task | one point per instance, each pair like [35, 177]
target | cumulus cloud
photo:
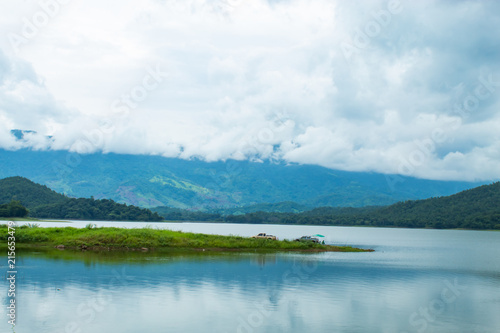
[387, 86]
[25, 103]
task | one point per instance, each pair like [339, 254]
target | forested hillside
[478, 208]
[42, 202]
[28, 193]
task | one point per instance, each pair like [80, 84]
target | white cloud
[260, 79]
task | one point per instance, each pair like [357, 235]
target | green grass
[122, 239]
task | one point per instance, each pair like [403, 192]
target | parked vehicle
[308, 239]
[263, 235]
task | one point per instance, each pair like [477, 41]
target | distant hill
[30, 194]
[279, 207]
[477, 208]
[152, 181]
[177, 214]
[43, 202]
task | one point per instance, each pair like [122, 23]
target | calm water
[416, 281]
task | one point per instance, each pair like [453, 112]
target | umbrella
[318, 235]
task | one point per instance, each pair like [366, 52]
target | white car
[265, 236]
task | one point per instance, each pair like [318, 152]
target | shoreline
[104, 248]
[149, 239]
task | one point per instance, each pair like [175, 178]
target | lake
[415, 281]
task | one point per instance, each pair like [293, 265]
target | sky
[402, 87]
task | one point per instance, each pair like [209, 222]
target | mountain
[477, 208]
[43, 202]
[279, 207]
[177, 214]
[30, 194]
[151, 181]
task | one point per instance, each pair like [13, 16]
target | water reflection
[398, 288]
[66, 291]
[262, 260]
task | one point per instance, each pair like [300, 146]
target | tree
[13, 209]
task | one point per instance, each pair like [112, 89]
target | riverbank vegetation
[148, 238]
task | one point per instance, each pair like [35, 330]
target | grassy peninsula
[106, 238]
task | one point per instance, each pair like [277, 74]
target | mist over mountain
[151, 181]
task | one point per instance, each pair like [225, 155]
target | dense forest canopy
[13, 209]
[42, 202]
[28, 193]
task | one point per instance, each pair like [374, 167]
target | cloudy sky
[387, 86]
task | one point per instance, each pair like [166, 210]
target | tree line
[13, 209]
[91, 209]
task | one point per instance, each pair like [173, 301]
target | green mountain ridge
[152, 181]
[30, 194]
[43, 202]
[477, 208]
